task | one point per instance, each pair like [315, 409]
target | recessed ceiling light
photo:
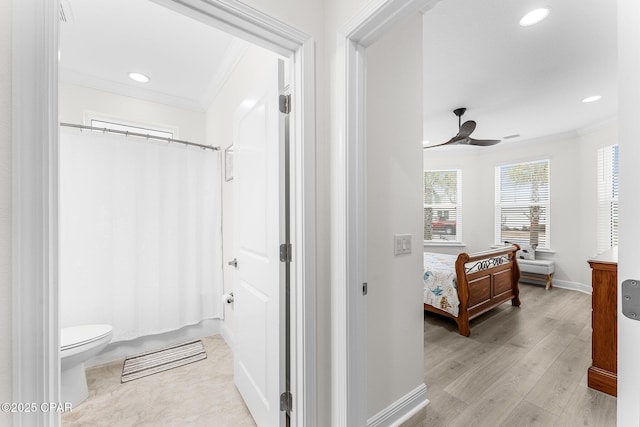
[139, 77]
[591, 98]
[534, 17]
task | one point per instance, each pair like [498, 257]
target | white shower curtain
[140, 233]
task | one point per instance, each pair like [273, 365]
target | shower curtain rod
[142, 135]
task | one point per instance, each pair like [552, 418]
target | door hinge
[285, 104]
[285, 252]
[365, 288]
[286, 402]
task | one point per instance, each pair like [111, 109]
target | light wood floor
[520, 367]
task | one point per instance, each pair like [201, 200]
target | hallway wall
[5, 208]
[395, 353]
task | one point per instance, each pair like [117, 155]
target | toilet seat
[77, 336]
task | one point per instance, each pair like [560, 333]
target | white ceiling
[518, 80]
[513, 80]
[187, 61]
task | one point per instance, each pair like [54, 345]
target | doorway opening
[242, 22]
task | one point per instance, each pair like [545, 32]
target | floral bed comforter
[440, 286]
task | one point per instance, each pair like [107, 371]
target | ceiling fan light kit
[464, 130]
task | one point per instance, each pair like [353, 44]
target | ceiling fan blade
[464, 132]
[483, 142]
[451, 141]
[466, 129]
[462, 137]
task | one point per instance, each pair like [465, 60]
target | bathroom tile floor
[199, 394]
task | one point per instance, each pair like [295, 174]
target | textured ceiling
[102, 41]
[513, 80]
[527, 81]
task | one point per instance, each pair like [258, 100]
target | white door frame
[35, 32]
[348, 248]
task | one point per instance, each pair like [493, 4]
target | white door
[259, 230]
[629, 227]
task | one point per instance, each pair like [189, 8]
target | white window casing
[523, 204]
[442, 201]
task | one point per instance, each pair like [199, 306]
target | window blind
[607, 197]
[442, 205]
[523, 203]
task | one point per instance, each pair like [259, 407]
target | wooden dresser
[602, 374]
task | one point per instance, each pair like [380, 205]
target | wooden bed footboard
[484, 281]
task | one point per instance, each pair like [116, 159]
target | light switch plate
[401, 244]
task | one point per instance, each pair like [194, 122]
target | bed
[465, 286]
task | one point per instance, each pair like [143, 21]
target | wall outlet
[401, 244]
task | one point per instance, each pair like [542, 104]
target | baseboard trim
[402, 409]
[227, 335]
[573, 286]
[562, 284]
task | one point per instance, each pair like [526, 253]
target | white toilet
[77, 345]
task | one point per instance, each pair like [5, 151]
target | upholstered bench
[537, 269]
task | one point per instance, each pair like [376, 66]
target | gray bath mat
[141, 365]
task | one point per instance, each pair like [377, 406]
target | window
[607, 197]
[442, 205]
[522, 204]
[130, 128]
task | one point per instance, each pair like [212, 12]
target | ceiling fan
[464, 130]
